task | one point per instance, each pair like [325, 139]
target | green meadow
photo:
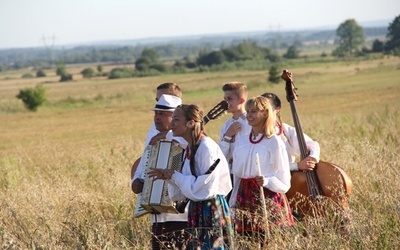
[65, 169]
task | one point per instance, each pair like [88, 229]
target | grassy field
[65, 169]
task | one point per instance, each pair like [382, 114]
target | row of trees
[149, 61]
[42, 58]
[350, 42]
[350, 38]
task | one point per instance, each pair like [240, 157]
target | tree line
[350, 42]
[47, 58]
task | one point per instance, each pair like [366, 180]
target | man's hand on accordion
[160, 174]
[157, 137]
[137, 185]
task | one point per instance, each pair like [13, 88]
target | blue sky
[24, 23]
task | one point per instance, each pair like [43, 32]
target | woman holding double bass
[289, 135]
[312, 180]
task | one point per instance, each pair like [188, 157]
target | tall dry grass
[64, 171]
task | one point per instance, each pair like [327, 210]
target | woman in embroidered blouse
[275, 173]
[209, 217]
[289, 136]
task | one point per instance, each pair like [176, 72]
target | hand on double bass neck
[307, 164]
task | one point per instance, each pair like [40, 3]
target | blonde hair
[262, 104]
[240, 89]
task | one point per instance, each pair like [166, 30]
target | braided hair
[193, 112]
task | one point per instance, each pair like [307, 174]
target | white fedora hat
[167, 103]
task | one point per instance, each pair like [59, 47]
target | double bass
[327, 183]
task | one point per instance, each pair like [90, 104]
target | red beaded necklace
[187, 153]
[280, 126]
[255, 142]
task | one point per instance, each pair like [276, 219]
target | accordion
[139, 210]
[154, 197]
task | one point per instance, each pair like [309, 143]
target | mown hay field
[65, 169]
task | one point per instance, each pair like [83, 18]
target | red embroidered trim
[187, 153]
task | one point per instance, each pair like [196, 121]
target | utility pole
[49, 43]
[275, 30]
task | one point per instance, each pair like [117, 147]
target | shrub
[32, 97]
[61, 69]
[159, 67]
[27, 75]
[273, 57]
[292, 52]
[65, 77]
[121, 73]
[274, 75]
[100, 68]
[142, 64]
[87, 72]
[40, 73]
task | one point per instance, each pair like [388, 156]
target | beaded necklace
[255, 142]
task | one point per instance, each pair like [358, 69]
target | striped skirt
[249, 215]
[210, 224]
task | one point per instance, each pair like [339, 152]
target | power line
[49, 43]
[52, 40]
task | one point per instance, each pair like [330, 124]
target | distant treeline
[168, 50]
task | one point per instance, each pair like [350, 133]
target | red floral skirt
[249, 216]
